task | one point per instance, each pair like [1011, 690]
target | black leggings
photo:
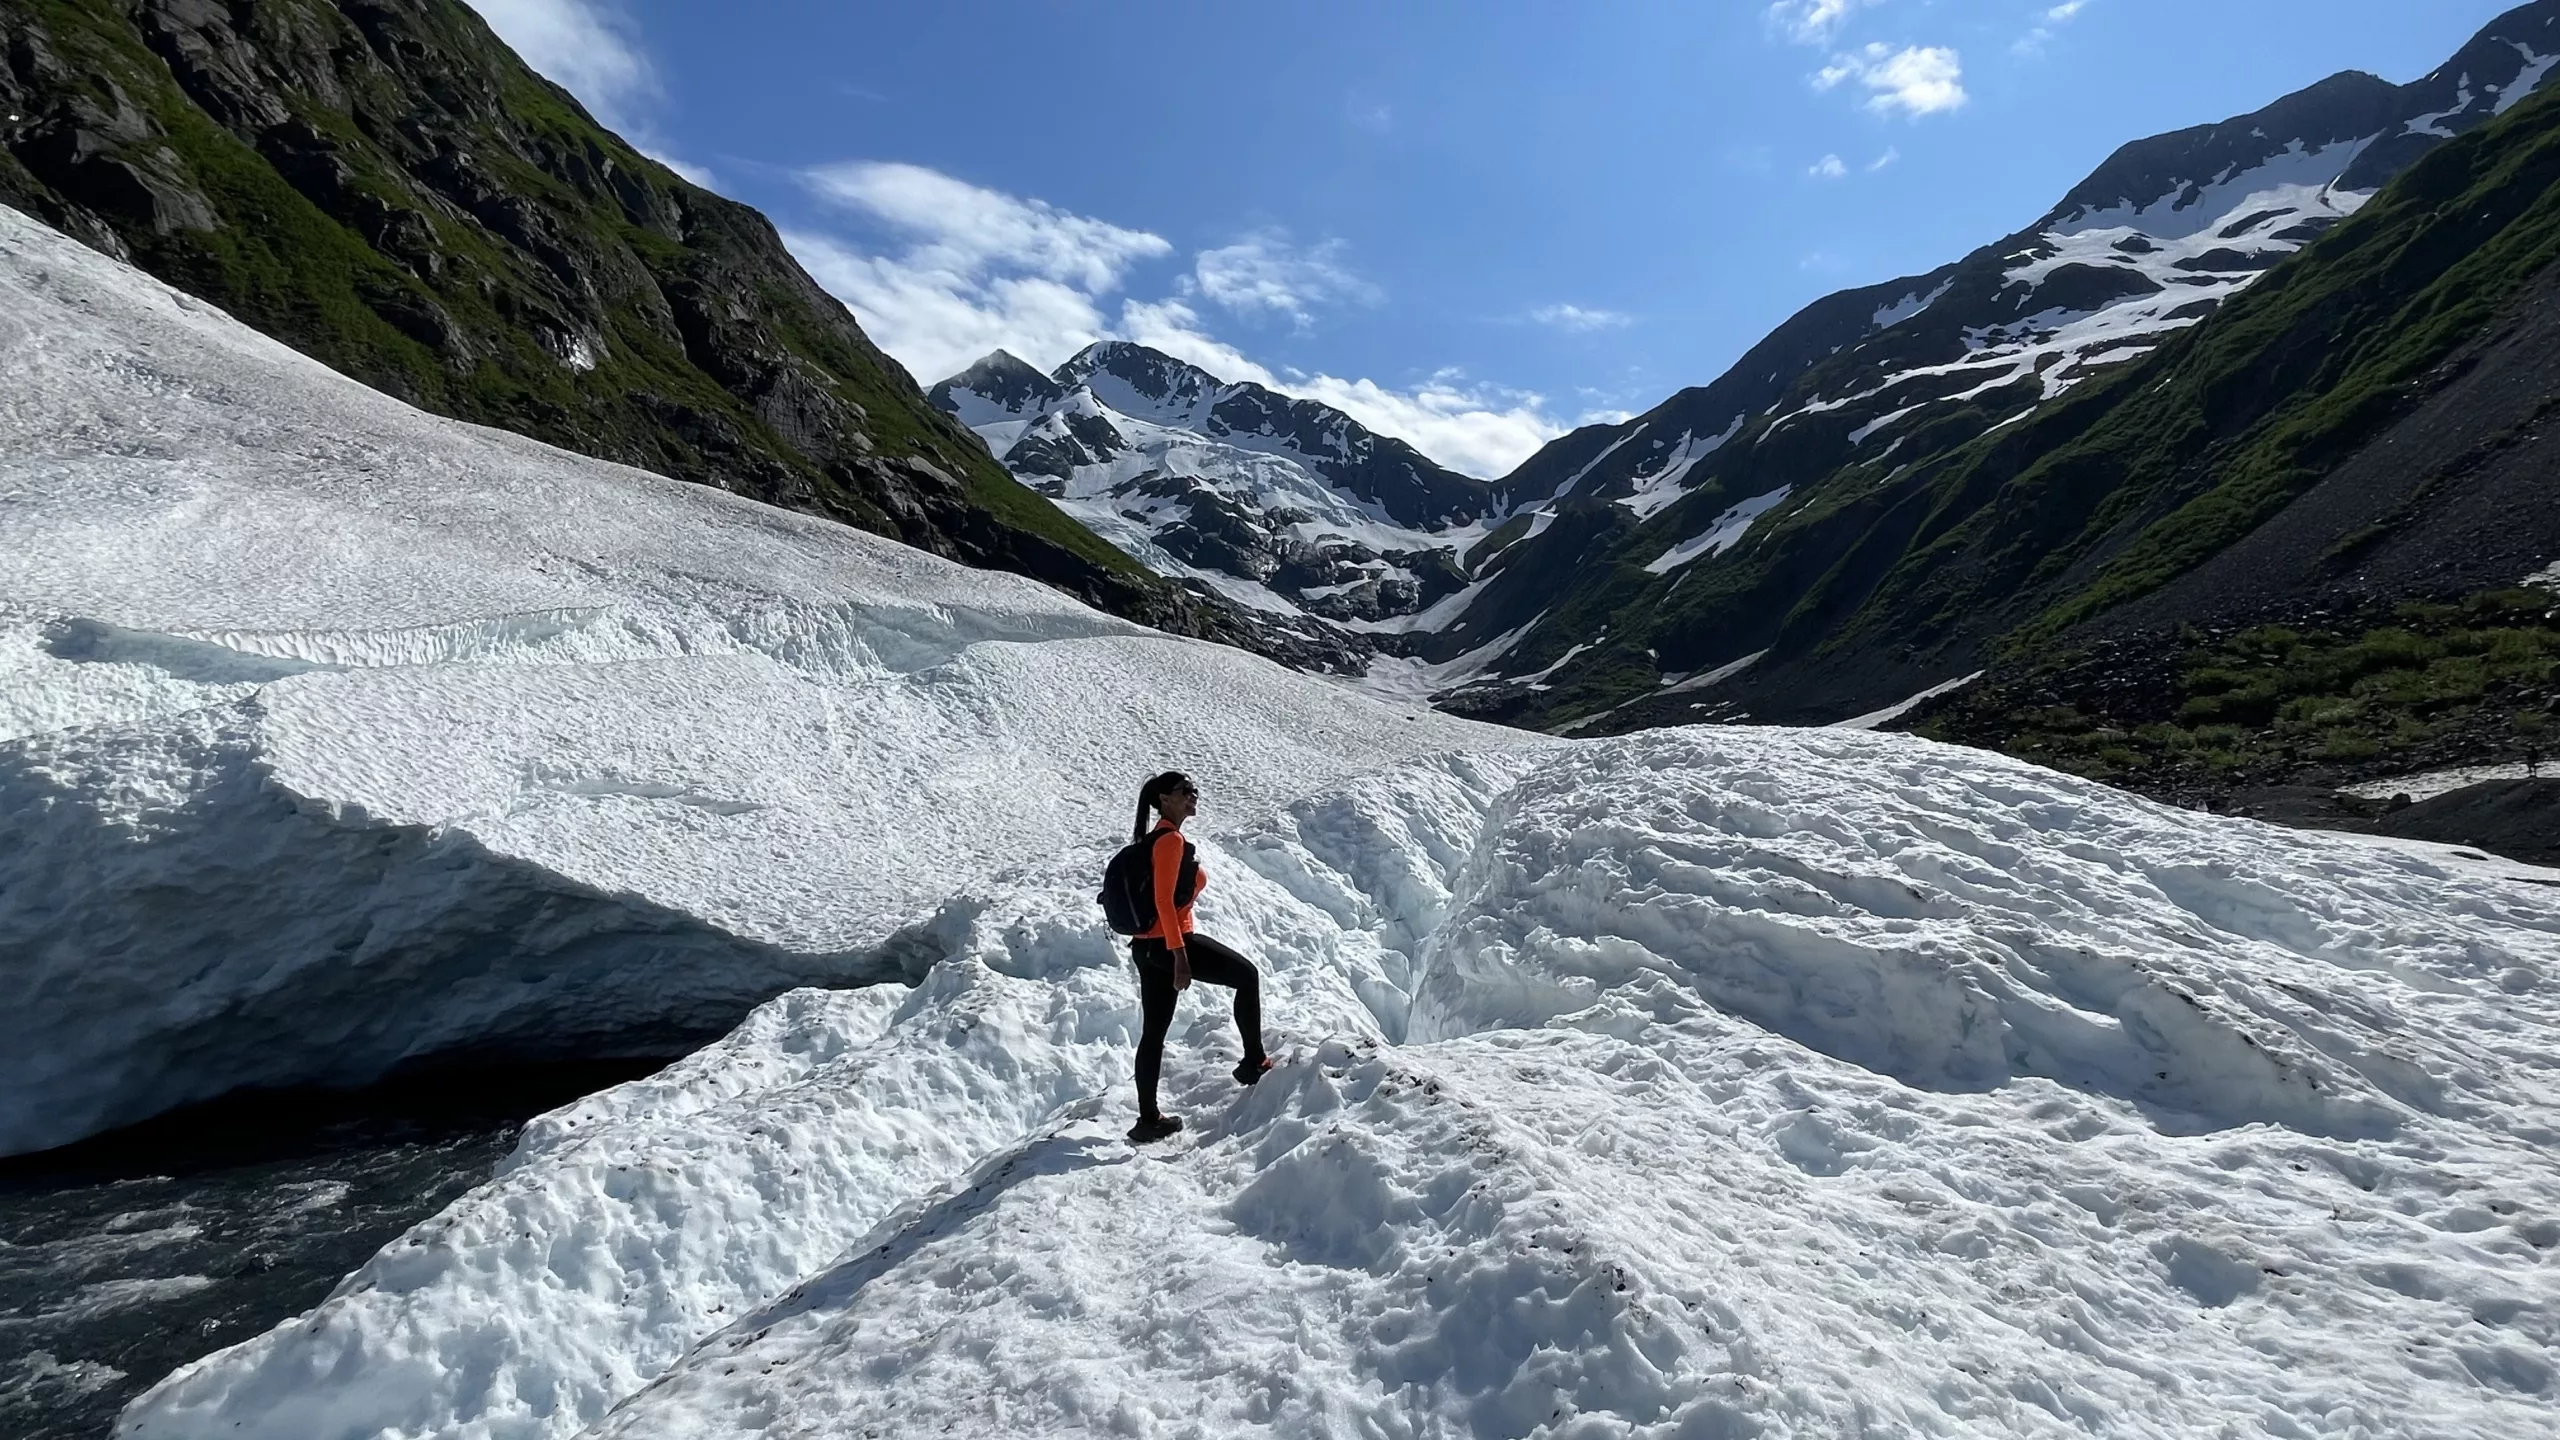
[1210, 962]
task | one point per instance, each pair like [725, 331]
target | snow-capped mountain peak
[1285, 504]
[997, 388]
[1138, 381]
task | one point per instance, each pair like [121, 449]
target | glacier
[345, 736]
[1701, 1082]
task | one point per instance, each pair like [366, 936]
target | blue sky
[1474, 225]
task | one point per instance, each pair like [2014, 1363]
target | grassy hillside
[2197, 447]
[2385, 691]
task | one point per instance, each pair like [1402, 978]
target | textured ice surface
[1689, 1084]
[1693, 1083]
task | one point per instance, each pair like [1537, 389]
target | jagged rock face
[1367, 467]
[997, 387]
[384, 186]
[1287, 505]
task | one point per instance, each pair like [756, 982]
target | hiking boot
[1153, 1127]
[1252, 1068]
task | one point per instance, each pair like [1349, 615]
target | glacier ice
[1696, 1082]
[346, 735]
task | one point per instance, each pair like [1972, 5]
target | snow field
[631, 1224]
[1751, 1082]
[1476, 1238]
[1958, 927]
[344, 735]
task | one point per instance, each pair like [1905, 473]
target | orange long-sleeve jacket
[1166, 860]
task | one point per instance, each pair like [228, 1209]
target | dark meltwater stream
[124, 1257]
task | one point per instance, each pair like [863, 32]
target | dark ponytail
[1147, 797]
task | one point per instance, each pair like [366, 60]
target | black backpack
[1129, 885]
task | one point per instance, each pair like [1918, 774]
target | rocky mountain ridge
[1843, 409]
[1283, 504]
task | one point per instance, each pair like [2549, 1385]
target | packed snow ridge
[1696, 1083]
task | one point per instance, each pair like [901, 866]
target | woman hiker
[1170, 954]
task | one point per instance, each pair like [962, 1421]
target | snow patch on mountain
[1723, 535]
[1860, 435]
[2537, 68]
[2178, 258]
[1406, 679]
[2296, 177]
[1878, 719]
[1566, 486]
[1909, 305]
[2432, 123]
[1659, 489]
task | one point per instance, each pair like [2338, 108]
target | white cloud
[1481, 430]
[1478, 430]
[583, 46]
[1891, 154]
[974, 269]
[1581, 319]
[937, 321]
[1829, 167]
[1814, 22]
[1175, 328]
[968, 270]
[1264, 272]
[2031, 45]
[972, 231]
[1915, 80]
